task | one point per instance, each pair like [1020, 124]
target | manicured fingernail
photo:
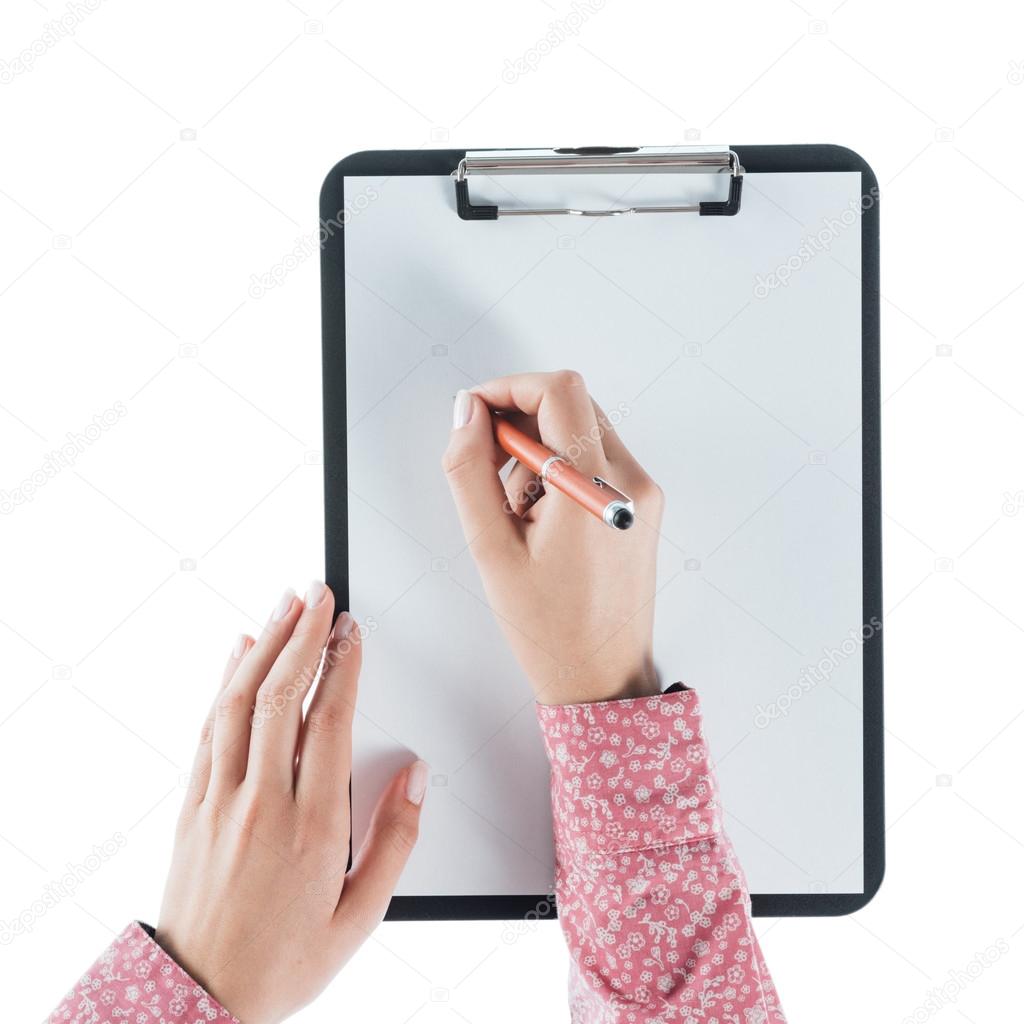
[416, 782]
[239, 648]
[315, 593]
[283, 605]
[343, 626]
[463, 409]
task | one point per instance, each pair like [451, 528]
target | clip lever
[598, 160]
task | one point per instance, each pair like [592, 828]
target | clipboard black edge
[755, 159]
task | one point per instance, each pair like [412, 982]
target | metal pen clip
[620, 512]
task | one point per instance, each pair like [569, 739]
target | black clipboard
[753, 160]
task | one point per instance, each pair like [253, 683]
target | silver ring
[546, 466]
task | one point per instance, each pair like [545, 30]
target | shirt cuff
[135, 980]
[629, 774]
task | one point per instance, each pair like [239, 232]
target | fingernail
[463, 409]
[315, 593]
[239, 648]
[343, 626]
[416, 782]
[283, 605]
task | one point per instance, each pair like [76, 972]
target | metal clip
[599, 160]
[620, 503]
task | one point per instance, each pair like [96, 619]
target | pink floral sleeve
[651, 898]
[135, 982]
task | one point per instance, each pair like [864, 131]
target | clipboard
[438, 266]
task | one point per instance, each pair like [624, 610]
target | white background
[125, 269]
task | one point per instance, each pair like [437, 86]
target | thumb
[392, 835]
[469, 464]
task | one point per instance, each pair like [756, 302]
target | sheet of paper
[731, 348]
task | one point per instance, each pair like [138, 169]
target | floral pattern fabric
[651, 898]
[136, 982]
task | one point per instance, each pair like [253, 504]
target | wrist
[592, 688]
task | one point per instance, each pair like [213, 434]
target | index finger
[565, 413]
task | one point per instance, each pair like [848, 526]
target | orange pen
[594, 494]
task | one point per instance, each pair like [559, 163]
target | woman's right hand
[574, 598]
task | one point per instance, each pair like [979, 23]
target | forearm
[652, 900]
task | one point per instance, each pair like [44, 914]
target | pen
[593, 493]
